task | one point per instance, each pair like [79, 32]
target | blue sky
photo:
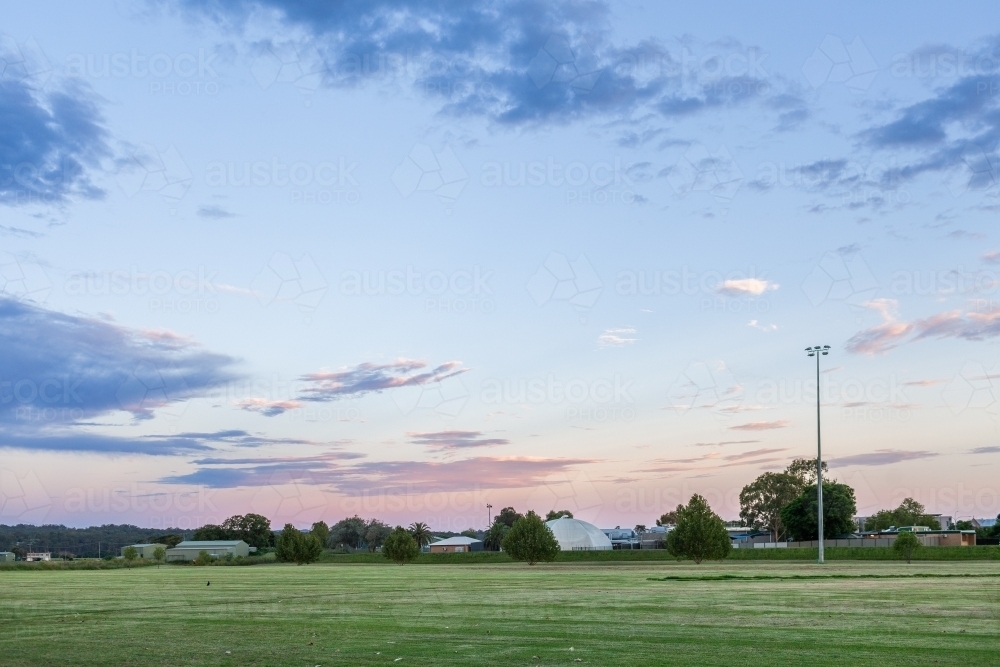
[414, 258]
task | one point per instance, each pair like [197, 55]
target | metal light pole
[817, 351]
[489, 515]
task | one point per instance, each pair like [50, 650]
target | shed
[144, 550]
[458, 544]
[189, 549]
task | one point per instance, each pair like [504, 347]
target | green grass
[646, 555]
[793, 613]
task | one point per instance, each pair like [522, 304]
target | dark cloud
[47, 143]
[74, 440]
[64, 368]
[993, 449]
[516, 63]
[454, 440]
[378, 476]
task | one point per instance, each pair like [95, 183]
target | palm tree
[494, 536]
[421, 532]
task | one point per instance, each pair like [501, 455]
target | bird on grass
[209, 583]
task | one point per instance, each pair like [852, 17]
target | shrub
[295, 547]
[700, 533]
[400, 546]
[905, 544]
[203, 558]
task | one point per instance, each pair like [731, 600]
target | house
[622, 538]
[7, 557]
[38, 555]
[189, 549]
[144, 550]
[458, 544]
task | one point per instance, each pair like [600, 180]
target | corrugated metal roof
[208, 544]
[460, 540]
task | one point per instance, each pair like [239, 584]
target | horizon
[407, 260]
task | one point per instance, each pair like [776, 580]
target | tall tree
[254, 529]
[804, 470]
[421, 532]
[400, 547]
[762, 499]
[294, 546]
[700, 533]
[909, 513]
[494, 536]
[321, 531]
[530, 540]
[375, 534]
[210, 533]
[508, 515]
[839, 506]
[130, 554]
[553, 515]
[348, 532]
[668, 519]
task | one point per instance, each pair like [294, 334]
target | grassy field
[642, 613]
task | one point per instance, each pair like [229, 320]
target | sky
[420, 260]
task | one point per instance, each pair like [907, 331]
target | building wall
[6, 556]
[176, 554]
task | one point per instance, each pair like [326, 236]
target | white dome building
[576, 535]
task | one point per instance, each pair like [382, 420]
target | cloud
[923, 383]
[68, 440]
[880, 457]
[724, 443]
[762, 426]
[406, 476]
[47, 143]
[971, 326]
[454, 440]
[371, 377]
[762, 327]
[992, 449]
[215, 212]
[267, 407]
[882, 337]
[746, 287]
[519, 63]
[992, 257]
[75, 367]
[617, 337]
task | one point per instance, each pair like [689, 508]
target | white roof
[459, 541]
[208, 544]
[573, 534]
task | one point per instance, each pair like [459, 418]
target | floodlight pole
[489, 516]
[817, 351]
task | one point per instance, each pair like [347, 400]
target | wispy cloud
[880, 457]
[617, 337]
[992, 449]
[454, 440]
[881, 337]
[371, 377]
[266, 407]
[762, 425]
[724, 443]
